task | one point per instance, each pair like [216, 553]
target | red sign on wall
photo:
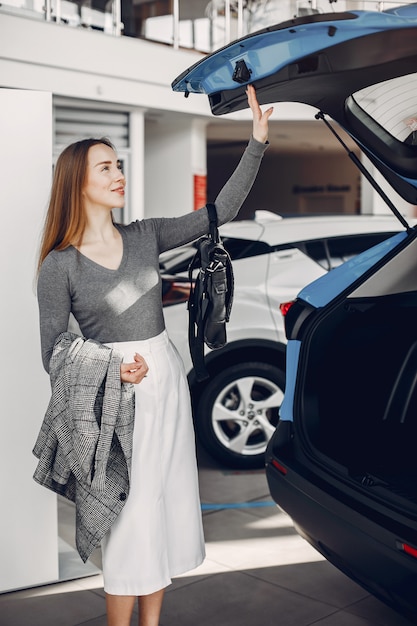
[200, 191]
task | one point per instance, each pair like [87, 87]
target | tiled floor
[258, 571]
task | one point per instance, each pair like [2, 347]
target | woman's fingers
[260, 118]
[253, 100]
[134, 372]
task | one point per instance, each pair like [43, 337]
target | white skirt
[158, 534]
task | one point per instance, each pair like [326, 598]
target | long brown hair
[65, 219]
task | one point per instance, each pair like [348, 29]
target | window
[393, 104]
[329, 253]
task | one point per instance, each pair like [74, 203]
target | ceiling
[285, 136]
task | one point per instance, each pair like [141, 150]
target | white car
[236, 409]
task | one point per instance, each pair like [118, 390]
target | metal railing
[180, 24]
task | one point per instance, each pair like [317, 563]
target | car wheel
[238, 412]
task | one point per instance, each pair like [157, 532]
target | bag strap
[195, 341]
[231, 287]
[212, 213]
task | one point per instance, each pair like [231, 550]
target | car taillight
[409, 549]
[284, 307]
[174, 291]
[279, 467]
[295, 314]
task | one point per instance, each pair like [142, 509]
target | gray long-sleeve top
[126, 304]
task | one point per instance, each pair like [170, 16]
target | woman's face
[105, 182]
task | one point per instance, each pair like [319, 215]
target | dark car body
[342, 461]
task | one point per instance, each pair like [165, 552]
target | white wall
[168, 168]
[28, 520]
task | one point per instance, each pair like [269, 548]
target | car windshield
[393, 104]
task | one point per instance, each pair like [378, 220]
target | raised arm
[177, 231]
[235, 191]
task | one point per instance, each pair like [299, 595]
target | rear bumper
[368, 553]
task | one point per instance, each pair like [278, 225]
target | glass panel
[393, 104]
[245, 248]
[27, 8]
[342, 249]
[94, 14]
[318, 251]
[153, 20]
[203, 25]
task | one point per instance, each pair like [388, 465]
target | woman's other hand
[134, 372]
[260, 119]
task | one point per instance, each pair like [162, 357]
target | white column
[175, 153]
[137, 165]
[28, 520]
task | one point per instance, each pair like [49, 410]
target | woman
[107, 276]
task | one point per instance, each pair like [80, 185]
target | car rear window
[393, 104]
[244, 248]
[331, 252]
[384, 119]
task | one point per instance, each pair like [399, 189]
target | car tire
[238, 412]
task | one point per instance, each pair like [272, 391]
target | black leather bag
[211, 296]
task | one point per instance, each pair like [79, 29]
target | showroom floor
[257, 571]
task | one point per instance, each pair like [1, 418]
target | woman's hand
[260, 120]
[134, 372]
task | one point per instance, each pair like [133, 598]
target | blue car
[342, 461]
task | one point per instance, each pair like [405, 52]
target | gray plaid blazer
[84, 445]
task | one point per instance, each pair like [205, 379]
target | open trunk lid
[358, 67]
